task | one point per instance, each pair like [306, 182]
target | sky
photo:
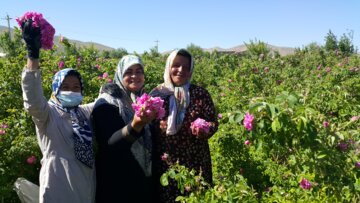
[139, 25]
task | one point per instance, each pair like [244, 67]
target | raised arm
[34, 100]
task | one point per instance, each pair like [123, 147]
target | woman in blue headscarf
[62, 128]
[123, 160]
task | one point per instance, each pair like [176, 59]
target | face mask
[69, 99]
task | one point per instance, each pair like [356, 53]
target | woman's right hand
[32, 38]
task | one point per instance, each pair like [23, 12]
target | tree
[196, 51]
[331, 42]
[11, 47]
[118, 53]
[345, 44]
[257, 49]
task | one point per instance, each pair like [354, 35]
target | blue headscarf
[82, 133]
[60, 76]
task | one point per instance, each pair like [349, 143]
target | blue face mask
[69, 99]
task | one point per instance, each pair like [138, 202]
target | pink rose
[165, 157]
[31, 160]
[199, 126]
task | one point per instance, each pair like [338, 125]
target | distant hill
[78, 43]
[283, 51]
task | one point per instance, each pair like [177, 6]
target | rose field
[289, 125]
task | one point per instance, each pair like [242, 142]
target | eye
[64, 87]
[176, 65]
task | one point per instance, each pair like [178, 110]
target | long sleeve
[209, 112]
[110, 130]
[34, 101]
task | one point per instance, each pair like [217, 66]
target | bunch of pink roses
[199, 125]
[147, 104]
[47, 30]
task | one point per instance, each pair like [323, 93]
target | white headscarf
[179, 95]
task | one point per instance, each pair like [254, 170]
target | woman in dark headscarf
[173, 136]
[123, 161]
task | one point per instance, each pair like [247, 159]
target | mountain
[283, 51]
[78, 43]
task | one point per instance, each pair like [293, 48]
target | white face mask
[69, 98]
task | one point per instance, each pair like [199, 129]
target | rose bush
[289, 127]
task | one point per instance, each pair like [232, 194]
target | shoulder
[112, 89]
[198, 90]
[104, 109]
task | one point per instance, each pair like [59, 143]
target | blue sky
[135, 25]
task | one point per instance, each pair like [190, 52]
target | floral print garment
[189, 150]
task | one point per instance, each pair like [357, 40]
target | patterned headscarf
[59, 78]
[82, 133]
[179, 95]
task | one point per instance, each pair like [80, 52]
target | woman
[184, 103]
[123, 160]
[62, 128]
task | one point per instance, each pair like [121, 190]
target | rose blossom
[61, 64]
[248, 121]
[164, 157]
[46, 29]
[147, 104]
[343, 146]
[247, 142]
[305, 184]
[199, 125]
[31, 160]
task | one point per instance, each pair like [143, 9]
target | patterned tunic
[183, 146]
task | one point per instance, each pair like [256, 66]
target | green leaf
[253, 107]
[238, 117]
[272, 109]
[275, 125]
[164, 180]
[340, 135]
[321, 156]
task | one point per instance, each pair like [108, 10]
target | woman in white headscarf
[173, 136]
[123, 160]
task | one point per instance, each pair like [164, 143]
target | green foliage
[331, 42]
[117, 53]
[12, 47]
[306, 121]
[345, 44]
[257, 49]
